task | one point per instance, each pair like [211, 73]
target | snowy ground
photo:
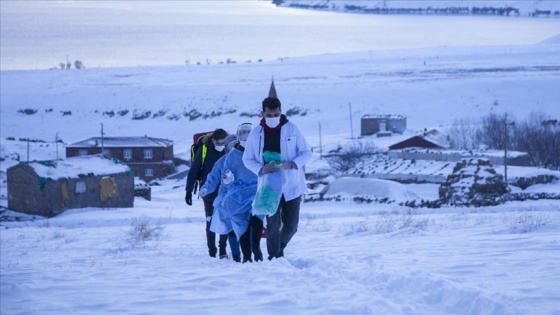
[345, 259]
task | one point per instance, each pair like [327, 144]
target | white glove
[203, 192]
[228, 177]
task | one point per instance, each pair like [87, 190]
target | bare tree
[539, 136]
[492, 132]
[463, 134]
[350, 156]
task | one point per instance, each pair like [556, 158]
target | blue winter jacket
[234, 202]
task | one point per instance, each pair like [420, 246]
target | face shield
[243, 133]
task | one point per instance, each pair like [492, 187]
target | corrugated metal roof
[389, 116]
[113, 142]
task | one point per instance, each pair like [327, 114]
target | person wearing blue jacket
[230, 142]
[234, 203]
[276, 133]
[202, 165]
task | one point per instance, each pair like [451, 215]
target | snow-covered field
[346, 258]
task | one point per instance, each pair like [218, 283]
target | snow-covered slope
[432, 87]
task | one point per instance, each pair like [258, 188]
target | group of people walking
[229, 168]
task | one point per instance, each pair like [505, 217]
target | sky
[347, 257]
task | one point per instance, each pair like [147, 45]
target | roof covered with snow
[388, 116]
[107, 142]
[73, 167]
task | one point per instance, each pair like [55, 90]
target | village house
[48, 188]
[417, 141]
[150, 158]
[382, 125]
[433, 145]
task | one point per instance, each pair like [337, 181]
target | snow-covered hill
[431, 87]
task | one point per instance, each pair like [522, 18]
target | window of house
[127, 154]
[149, 172]
[148, 154]
[82, 152]
[80, 187]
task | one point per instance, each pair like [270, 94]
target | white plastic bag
[269, 193]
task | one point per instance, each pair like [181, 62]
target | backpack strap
[204, 151]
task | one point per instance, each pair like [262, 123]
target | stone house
[150, 158]
[48, 188]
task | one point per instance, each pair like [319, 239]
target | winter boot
[281, 251]
[258, 254]
[247, 259]
[223, 253]
[237, 257]
[212, 252]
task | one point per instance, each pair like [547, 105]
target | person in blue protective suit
[235, 205]
[276, 133]
[230, 142]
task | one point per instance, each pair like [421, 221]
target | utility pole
[351, 127]
[320, 143]
[102, 146]
[506, 124]
[505, 148]
[56, 143]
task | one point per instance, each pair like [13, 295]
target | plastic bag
[269, 193]
[269, 188]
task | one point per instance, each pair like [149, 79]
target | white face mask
[272, 122]
[243, 143]
[220, 148]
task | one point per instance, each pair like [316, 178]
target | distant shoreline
[428, 10]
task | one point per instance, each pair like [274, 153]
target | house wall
[455, 157]
[371, 125]
[406, 178]
[158, 163]
[25, 194]
[160, 170]
[23, 190]
[397, 125]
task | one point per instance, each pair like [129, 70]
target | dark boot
[257, 254]
[245, 243]
[281, 251]
[222, 243]
[223, 253]
[237, 257]
[212, 252]
[257, 228]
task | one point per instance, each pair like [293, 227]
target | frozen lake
[41, 34]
